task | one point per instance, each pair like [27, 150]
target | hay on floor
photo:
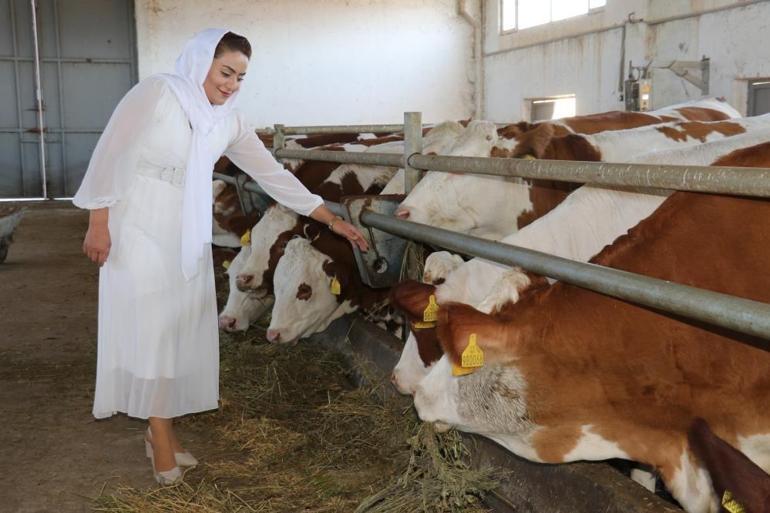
[293, 434]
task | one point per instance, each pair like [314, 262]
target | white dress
[158, 340]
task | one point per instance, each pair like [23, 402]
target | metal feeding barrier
[736, 314]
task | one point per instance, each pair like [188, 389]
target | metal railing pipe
[722, 180]
[279, 138]
[412, 145]
[340, 129]
[737, 314]
[344, 157]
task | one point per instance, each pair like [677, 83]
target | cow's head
[304, 302]
[487, 399]
[439, 265]
[241, 309]
[442, 199]
[421, 349]
[441, 137]
[266, 247]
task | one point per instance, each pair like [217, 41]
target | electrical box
[638, 94]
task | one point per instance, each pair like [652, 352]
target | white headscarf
[192, 66]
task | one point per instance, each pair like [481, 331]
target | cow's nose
[402, 213]
[226, 322]
[273, 336]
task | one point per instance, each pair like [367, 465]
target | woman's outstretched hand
[97, 243]
[350, 232]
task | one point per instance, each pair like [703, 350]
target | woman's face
[225, 76]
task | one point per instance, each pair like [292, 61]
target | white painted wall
[329, 61]
[582, 55]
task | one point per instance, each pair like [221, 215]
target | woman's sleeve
[248, 153]
[113, 163]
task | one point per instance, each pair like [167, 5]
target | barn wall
[582, 55]
[330, 62]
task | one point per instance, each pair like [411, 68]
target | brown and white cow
[569, 374]
[313, 141]
[493, 207]
[703, 109]
[331, 181]
[589, 219]
[304, 301]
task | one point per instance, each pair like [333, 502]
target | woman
[148, 188]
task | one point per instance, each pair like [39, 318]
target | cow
[360, 144]
[296, 313]
[738, 482]
[257, 274]
[493, 207]
[241, 309]
[589, 219]
[340, 180]
[569, 374]
[704, 109]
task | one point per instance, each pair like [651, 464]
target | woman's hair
[234, 43]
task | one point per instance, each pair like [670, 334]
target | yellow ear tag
[335, 286]
[528, 157]
[246, 238]
[461, 371]
[731, 504]
[226, 265]
[473, 356]
[423, 325]
[431, 311]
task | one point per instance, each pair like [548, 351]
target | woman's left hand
[350, 232]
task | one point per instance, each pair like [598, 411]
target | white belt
[173, 175]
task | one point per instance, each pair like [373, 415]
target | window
[759, 97]
[554, 107]
[522, 14]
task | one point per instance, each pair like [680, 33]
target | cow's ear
[515, 130]
[534, 142]
[412, 298]
[458, 323]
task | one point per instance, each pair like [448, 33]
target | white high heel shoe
[163, 477]
[183, 459]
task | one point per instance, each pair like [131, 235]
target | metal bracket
[249, 200]
[379, 267]
[695, 72]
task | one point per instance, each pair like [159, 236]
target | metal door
[82, 53]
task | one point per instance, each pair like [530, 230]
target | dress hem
[102, 416]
